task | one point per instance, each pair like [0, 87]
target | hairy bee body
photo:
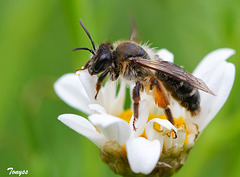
[129, 70]
[185, 94]
[140, 65]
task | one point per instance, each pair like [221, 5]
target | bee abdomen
[187, 95]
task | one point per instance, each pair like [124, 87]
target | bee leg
[136, 98]
[161, 98]
[169, 115]
[83, 68]
[99, 82]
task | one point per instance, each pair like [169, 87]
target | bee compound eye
[101, 63]
[99, 66]
[104, 57]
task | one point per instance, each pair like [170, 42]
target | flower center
[127, 114]
[178, 122]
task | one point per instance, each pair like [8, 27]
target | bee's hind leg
[161, 98]
[136, 98]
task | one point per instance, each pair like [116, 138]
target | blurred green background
[36, 39]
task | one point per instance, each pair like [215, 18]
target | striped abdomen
[187, 95]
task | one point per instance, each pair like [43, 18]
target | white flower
[153, 147]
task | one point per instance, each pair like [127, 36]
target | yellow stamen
[123, 150]
[157, 127]
[144, 134]
[180, 122]
[126, 115]
[186, 139]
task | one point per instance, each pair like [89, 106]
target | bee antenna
[84, 48]
[81, 23]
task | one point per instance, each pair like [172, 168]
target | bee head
[102, 60]
[102, 57]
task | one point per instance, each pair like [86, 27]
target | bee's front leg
[136, 98]
[99, 82]
[84, 67]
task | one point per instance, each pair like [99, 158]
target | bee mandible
[139, 64]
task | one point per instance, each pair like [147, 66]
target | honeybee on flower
[149, 143]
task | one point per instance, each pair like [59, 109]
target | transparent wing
[174, 71]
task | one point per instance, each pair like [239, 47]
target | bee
[139, 64]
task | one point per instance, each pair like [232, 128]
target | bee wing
[134, 33]
[174, 71]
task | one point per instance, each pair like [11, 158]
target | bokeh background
[36, 39]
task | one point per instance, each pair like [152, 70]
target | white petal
[112, 127]
[89, 84]
[220, 80]
[167, 142]
[143, 154]
[212, 59]
[165, 55]
[154, 134]
[109, 92]
[142, 119]
[153, 108]
[98, 108]
[191, 128]
[71, 90]
[83, 127]
[163, 122]
[118, 104]
[179, 141]
[219, 77]
[177, 109]
[191, 140]
[112, 102]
